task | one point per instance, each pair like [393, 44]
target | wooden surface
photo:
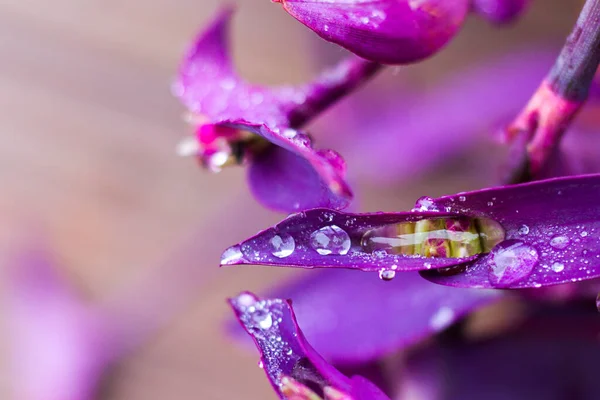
[88, 130]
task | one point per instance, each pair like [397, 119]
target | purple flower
[238, 122]
[295, 370]
[529, 235]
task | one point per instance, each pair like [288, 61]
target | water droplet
[558, 267]
[583, 234]
[425, 203]
[462, 198]
[559, 242]
[231, 255]
[330, 240]
[263, 319]
[512, 261]
[289, 133]
[490, 203]
[523, 230]
[442, 318]
[386, 274]
[289, 352]
[283, 245]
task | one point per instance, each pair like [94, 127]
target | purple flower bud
[499, 11]
[385, 31]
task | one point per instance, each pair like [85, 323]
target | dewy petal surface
[215, 95]
[351, 317]
[552, 232]
[327, 238]
[286, 353]
[386, 31]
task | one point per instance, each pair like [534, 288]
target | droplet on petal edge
[330, 240]
[232, 255]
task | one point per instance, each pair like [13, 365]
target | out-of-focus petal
[410, 133]
[499, 11]
[541, 360]
[351, 317]
[326, 238]
[57, 351]
[552, 230]
[285, 353]
[385, 31]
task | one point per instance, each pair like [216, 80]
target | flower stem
[562, 93]
[331, 86]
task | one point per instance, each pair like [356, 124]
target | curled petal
[499, 11]
[326, 238]
[552, 230]
[397, 313]
[385, 31]
[291, 364]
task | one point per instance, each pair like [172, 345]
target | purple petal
[385, 31]
[352, 317]
[552, 232]
[529, 364]
[499, 11]
[284, 350]
[326, 238]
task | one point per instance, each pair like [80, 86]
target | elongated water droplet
[387, 274]
[330, 240]
[512, 261]
[282, 245]
[559, 242]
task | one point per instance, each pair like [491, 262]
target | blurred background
[88, 130]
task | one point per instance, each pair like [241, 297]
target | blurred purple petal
[285, 353]
[330, 305]
[552, 233]
[326, 238]
[385, 31]
[499, 11]
[529, 364]
[57, 348]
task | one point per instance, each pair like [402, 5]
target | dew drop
[523, 230]
[330, 240]
[558, 267]
[425, 203]
[462, 198]
[231, 255]
[559, 242]
[386, 274]
[490, 203]
[282, 245]
[583, 234]
[262, 319]
[512, 261]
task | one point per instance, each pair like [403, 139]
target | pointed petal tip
[232, 256]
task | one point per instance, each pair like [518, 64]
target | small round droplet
[387, 274]
[559, 242]
[512, 261]
[262, 319]
[462, 198]
[231, 255]
[282, 245]
[558, 267]
[523, 230]
[330, 240]
[583, 234]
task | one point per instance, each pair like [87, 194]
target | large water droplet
[387, 274]
[559, 242]
[282, 245]
[512, 261]
[263, 319]
[330, 240]
[425, 203]
[231, 255]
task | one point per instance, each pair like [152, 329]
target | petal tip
[232, 256]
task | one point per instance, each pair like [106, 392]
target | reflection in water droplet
[330, 240]
[523, 230]
[263, 319]
[558, 267]
[512, 261]
[583, 234]
[559, 242]
[425, 203]
[282, 245]
[387, 274]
